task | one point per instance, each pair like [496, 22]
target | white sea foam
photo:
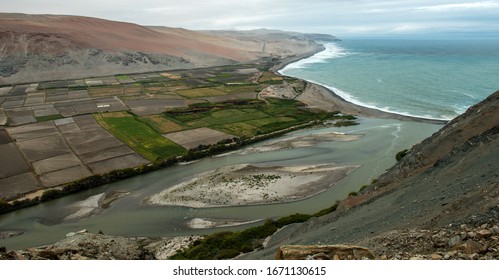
[350, 98]
[331, 51]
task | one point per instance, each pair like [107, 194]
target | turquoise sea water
[436, 79]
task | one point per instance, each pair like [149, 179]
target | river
[128, 216]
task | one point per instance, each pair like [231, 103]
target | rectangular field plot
[32, 131]
[56, 163]
[233, 115]
[105, 91]
[241, 129]
[45, 147]
[219, 91]
[162, 124]
[13, 186]
[155, 87]
[143, 107]
[65, 175]
[5, 90]
[201, 92]
[190, 139]
[121, 162]
[139, 136]
[231, 97]
[132, 89]
[124, 79]
[11, 161]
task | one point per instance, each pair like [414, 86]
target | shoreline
[321, 95]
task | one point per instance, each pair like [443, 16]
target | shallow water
[127, 216]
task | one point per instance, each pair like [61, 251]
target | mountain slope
[45, 47]
[449, 179]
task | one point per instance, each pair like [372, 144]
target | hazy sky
[337, 17]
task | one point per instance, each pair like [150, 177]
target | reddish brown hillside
[49, 33]
[52, 47]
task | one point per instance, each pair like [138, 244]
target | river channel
[128, 216]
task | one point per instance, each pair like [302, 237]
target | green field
[48, 118]
[201, 92]
[162, 124]
[219, 91]
[139, 136]
[122, 77]
[246, 119]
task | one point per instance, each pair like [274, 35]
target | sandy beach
[252, 185]
[319, 97]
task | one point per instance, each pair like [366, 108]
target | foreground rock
[455, 242]
[84, 245]
[323, 252]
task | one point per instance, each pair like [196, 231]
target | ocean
[437, 79]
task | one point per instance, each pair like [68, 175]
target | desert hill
[49, 47]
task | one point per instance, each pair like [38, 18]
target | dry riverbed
[252, 185]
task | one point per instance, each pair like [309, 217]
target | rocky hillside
[50, 47]
[84, 245]
[432, 204]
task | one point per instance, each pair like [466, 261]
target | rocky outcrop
[455, 242]
[323, 252]
[83, 245]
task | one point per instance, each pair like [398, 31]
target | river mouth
[127, 215]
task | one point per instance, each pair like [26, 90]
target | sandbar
[245, 184]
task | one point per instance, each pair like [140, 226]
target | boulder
[323, 252]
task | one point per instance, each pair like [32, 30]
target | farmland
[139, 136]
[57, 132]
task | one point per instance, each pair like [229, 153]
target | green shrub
[401, 154]
[292, 219]
[326, 211]
[225, 245]
[345, 123]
